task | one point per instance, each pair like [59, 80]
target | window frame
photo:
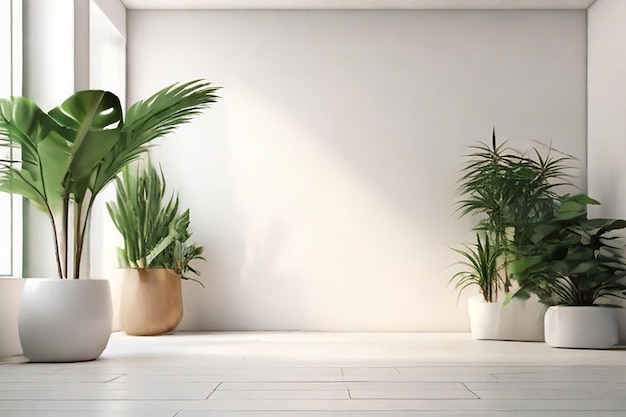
[14, 19]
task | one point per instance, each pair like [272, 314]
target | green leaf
[93, 120]
[44, 149]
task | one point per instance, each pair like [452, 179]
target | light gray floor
[320, 375]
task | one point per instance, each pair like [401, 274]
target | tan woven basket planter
[151, 301]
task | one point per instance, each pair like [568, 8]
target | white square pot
[621, 319]
[520, 320]
[484, 318]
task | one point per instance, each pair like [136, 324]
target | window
[10, 84]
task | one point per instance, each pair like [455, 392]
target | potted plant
[573, 264]
[482, 269]
[156, 254]
[68, 156]
[506, 190]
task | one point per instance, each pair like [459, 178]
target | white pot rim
[62, 279]
[611, 306]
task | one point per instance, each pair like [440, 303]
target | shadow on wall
[303, 241]
[326, 188]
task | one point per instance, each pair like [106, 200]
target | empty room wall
[607, 106]
[322, 183]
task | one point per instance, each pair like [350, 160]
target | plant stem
[57, 253]
[77, 240]
[83, 232]
[64, 235]
[57, 249]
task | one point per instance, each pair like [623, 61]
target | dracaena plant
[155, 232]
[507, 190]
[481, 268]
[70, 154]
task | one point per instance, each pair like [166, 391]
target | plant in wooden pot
[574, 266]
[505, 191]
[67, 157]
[156, 254]
[482, 268]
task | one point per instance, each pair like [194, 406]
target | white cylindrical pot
[582, 327]
[10, 295]
[484, 318]
[65, 320]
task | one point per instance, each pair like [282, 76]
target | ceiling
[357, 4]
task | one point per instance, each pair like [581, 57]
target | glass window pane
[5, 48]
[6, 89]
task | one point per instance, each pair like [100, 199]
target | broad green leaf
[93, 119]
[44, 152]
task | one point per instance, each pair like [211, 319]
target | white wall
[115, 12]
[607, 106]
[323, 182]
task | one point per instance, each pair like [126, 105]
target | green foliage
[155, 233]
[507, 191]
[71, 153]
[482, 268]
[573, 260]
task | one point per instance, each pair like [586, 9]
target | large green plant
[482, 268]
[507, 190]
[573, 260]
[71, 153]
[155, 232]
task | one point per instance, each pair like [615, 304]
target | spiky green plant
[70, 154]
[482, 268]
[507, 190]
[155, 233]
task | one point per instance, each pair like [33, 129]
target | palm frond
[153, 118]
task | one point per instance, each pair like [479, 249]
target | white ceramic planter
[584, 327]
[10, 296]
[64, 320]
[621, 319]
[484, 318]
[522, 320]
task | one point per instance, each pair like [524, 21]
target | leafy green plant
[507, 190]
[482, 268]
[573, 260]
[155, 232]
[71, 153]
